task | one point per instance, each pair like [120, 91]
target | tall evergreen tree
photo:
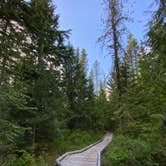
[31, 83]
[13, 96]
[44, 77]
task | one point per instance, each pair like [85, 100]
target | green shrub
[25, 159]
[125, 151]
[75, 140]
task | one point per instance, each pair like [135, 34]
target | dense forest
[48, 100]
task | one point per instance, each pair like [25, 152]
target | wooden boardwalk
[89, 156]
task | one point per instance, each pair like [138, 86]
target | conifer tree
[44, 77]
[13, 96]
[31, 83]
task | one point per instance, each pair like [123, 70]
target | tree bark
[115, 45]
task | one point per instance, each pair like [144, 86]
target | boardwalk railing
[58, 160]
[98, 159]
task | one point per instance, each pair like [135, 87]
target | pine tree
[31, 83]
[70, 72]
[13, 96]
[78, 91]
[43, 78]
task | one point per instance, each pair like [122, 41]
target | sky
[84, 18]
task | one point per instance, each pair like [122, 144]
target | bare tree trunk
[115, 45]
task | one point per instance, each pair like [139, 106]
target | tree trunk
[4, 58]
[115, 47]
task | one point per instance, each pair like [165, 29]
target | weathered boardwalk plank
[86, 157]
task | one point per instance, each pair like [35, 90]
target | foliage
[140, 110]
[47, 100]
[140, 152]
[72, 140]
[44, 85]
